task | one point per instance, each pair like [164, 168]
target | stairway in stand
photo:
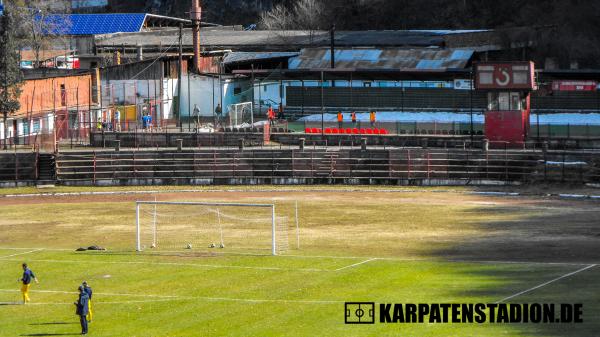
[327, 165]
[46, 169]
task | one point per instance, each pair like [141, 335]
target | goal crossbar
[216, 204]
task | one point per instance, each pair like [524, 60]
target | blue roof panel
[93, 24]
[430, 64]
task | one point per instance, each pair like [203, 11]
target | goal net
[199, 226]
[240, 115]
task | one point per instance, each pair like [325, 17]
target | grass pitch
[416, 246]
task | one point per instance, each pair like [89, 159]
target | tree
[41, 25]
[10, 72]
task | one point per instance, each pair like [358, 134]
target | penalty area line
[356, 264]
[547, 283]
[167, 298]
[28, 252]
[197, 265]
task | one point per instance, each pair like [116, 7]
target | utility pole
[179, 71]
[332, 37]
[332, 51]
[322, 107]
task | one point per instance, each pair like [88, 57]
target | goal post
[164, 224]
[240, 114]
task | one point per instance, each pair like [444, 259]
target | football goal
[240, 115]
[229, 227]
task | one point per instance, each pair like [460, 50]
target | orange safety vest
[372, 116]
[340, 117]
[271, 113]
[354, 116]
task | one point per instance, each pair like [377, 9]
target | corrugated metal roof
[236, 57]
[415, 59]
[451, 31]
[93, 24]
[291, 40]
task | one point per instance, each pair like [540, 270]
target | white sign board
[463, 85]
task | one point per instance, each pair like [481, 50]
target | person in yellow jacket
[26, 279]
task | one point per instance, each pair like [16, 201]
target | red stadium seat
[307, 130]
[327, 130]
[376, 131]
[315, 130]
[384, 132]
[349, 131]
[342, 131]
[335, 131]
[363, 131]
[355, 131]
[369, 131]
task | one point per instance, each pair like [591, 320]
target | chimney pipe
[196, 16]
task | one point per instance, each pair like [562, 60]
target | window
[63, 95]
[492, 101]
[503, 101]
[25, 127]
[367, 84]
[73, 122]
[237, 91]
[37, 125]
[515, 101]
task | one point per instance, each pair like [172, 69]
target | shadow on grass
[560, 237]
[53, 323]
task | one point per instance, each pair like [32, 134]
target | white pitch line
[547, 283]
[29, 252]
[103, 294]
[180, 264]
[401, 259]
[165, 298]
[43, 248]
[356, 264]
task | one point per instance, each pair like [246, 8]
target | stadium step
[46, 167]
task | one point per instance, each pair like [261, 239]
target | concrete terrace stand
[323, 165]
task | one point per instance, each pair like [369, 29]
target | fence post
[37, 164]
[293, 164]
[16, 166]
[505, 163]
[94, 177]
[363, 144]
[302, 143]
[117, 145]
[545, 152]
[563, 164]
[428, 164]
[408, 171]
